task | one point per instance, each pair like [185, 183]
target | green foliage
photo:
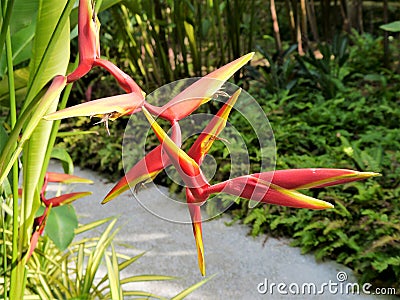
[49, 269]
[162, 41]
[329, 72]
[353, 125]
[82, 146]
[61, 225]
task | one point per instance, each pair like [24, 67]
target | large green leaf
[50, 57]
[21, 43]
[18, 15]
[21, 77]
[106, 4]
[23, 15]
[50, 52]
[61, 225]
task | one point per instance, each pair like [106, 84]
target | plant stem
[13, 116]
[6, 21]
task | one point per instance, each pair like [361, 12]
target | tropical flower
[199, 92]
[88, 40]
[89, 50]
[40, 222]
[277, 187]
[181, 106]
[89, 56]
[109, 108]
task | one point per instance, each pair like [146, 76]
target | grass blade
[191, 289]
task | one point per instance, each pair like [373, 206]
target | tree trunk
[343, 12]
[292, 24]
[359, 9]
[386, 35]
[325, 7]
[312, 19]
[275, 24]
[304, 29]
[349, 11]
[299, 40]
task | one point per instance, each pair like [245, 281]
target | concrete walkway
[244, 266]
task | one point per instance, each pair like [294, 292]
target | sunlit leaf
[66, 160]
[61, 225]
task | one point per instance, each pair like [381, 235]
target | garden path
[241, 263]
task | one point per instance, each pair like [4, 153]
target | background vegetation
[328, 78]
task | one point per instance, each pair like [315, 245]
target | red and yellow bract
[40, 222]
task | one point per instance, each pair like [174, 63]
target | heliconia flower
[198, 93]
[154, 162]
[142, 172]
[109, 108]
[60, 200]
[114, 107]
[299, 179]
[198, 151]
[256, 189]
[205, 140]
[146, 169]
[278, 187]
[65, 198]
[88, 39]
[65, 178]
[39, 224]
[195, 215]
[89, 50]
[187, 168]
[60, 178]
[123, 79]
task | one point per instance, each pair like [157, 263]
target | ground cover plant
[351, 124]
